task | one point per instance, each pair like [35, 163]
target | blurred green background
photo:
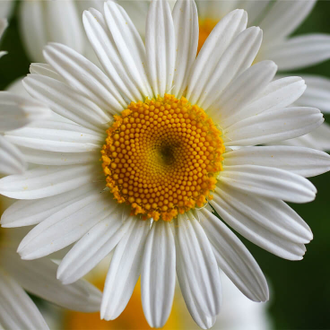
[300, 291]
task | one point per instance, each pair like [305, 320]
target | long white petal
[84, 76]
[236, 59]
[268, 182]
[32, 28]
[284, 17]
[234, 259]
[67, 102]
[57, 137]
[39, 278]
[158, 274]
[17, 310]
[26, 212]
[124, 270]
[278, 94]
[212, 51]
[47, 181]
[241, 91]
[160, 47]
[303, 161]
[45, 69]
[197, 263]
[12, 160]
[57, 15]
[95, 245]
[268, 223]
[317, 93]
[105, 49]
[59, 158]
[185, 20]
[272, 126]
[17, 111]
[66, 226]
[129, 45]
[197, 313]
[299, 52]
[317, 139]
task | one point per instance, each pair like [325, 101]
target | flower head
[141, 155]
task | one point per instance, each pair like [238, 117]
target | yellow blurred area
[131, 318]
[205, 28]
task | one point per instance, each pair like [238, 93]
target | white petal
[318, 139]
[234, 259]
[268, 182]
[137, 11]
[47, 181]
[124, 270]
[255, 8]
[12, 161]
[45, 69]
[57, 16]
[17, 111]
[284, 17]
[269, 223]
[158, 274]
[39, 278]
[204, 321]
[299, 52]
[3, 21]
[272, 126]
[84, 76]
[65, 101]
[212, 51]
[278, 94]
[317, 93]
[57, 137]
[197, 265]
[95, 245]
[129, 44]
[185, 20]
[241, 91]
[26, 213]
[105, 49]
[59, 158]
[160, 47]
[17, 310]
[235, 60]
[303, 161]
[66, 226]
[32, 28]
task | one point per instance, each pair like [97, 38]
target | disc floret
[162, 157]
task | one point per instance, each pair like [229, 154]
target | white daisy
[17, 310]
[278, 20]
[16, 112]
[164, 156]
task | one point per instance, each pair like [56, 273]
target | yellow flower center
[205, 27]
[162, 157]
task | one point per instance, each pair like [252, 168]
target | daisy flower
[141, 155]
[17, 310]
[278, 20]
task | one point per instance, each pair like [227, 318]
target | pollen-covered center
[162, 157]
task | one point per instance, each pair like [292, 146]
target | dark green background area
[300, 291]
